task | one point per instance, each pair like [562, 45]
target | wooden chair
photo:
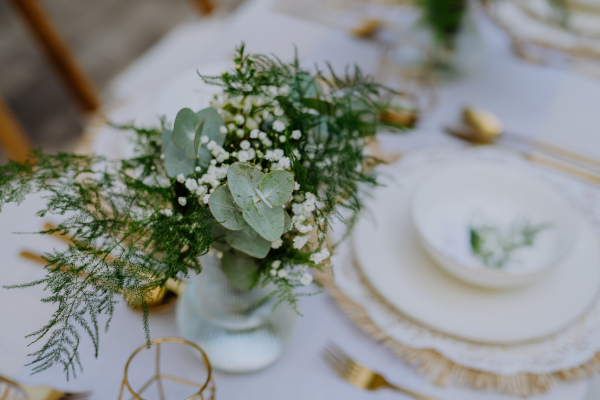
[12, 137]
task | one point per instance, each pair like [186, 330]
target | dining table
[546, 103]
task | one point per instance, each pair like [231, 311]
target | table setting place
[319, 200]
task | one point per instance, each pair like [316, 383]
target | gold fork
[359, 375]
[16, 391]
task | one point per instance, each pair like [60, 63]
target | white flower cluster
[295, 274]
[301, 213]
[217, 151]
[320, 256]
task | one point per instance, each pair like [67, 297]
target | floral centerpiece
[256, 178]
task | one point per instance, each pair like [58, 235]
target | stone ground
[105, 36]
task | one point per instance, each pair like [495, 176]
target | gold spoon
[481, 126]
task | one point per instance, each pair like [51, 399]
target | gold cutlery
[367, 28]
[359, 375]
[482, 127]
[11, 390]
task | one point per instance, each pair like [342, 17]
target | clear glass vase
[419, 52]
[238, 332]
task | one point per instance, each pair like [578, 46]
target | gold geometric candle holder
[161, 379]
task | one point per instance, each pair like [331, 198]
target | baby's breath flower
[261, 135]
[239, 119]
[300, 241]
[182, 201]
[282, 138]
[282, 273]
[231, 127]
[319, 257]
[245, 145]
[304, 228]
[279, 126]
[251, 123]
[191, 184]
[223, 130]
[205, 199]
[180, 178]
[296, 134]
[276, 244]
[167, 211]
[296, 186]
[284, 163]
[306, 279]
[201, 191]
[243, 155]
[273, 272]
[254, 134]
[276, 264]
[239, 133]
[197, 169]
[204, 138]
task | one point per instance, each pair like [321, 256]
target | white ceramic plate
[396, 266]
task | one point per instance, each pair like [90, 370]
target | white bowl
[448, 200]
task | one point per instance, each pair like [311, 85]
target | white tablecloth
[545, 103]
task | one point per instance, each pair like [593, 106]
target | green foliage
[224, 209]
[252, 245]
[495, 247]
[123, 243]
[444, 17]
[241, 271]
[140, 221]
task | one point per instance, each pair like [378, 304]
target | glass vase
[419, 51]
[239, 332]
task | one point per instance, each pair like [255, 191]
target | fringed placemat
[521, 369]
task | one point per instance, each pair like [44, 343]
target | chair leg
[205, 6]
[13, 138]
[58, 53]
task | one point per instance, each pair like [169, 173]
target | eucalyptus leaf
[221, 245]
[322, 107]
[268, 222]
[176, 161]
[225, 210]
[218, 237]
[211, 129]
[241, 271]
[248, 244]
[243, 180]
[287, 222]
[184, 132]
[277, 187]
[250, 229]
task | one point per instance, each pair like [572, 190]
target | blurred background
[105, 36]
